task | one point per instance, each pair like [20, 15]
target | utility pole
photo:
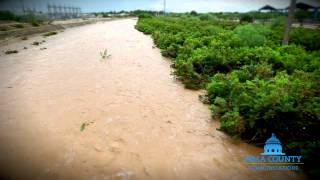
[49, 10]
[292, 8]
[60, 11]
[23, 7]
[164, 7]
[71, 11]
[34, 8]
[64, 11]
[55, 10]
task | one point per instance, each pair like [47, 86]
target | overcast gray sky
[172, 5]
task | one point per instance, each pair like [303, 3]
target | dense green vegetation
[27, 18]
[255, 86]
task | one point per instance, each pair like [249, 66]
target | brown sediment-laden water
[67, 113]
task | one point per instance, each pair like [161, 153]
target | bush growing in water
[254, 85]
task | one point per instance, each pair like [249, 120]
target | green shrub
[26, 18]
[246, 18]
[204, 17]
[185, 72]
[232, 123]
[252, 35]
[309, 38]
[278, 22]
[7, 15]
[171, 51]
[301, 15]
[193, 13]
[254, 85]
[277, 104]
[145, 15]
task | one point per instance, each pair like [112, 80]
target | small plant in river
[105, 54]
[83, 126]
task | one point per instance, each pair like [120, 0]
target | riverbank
[12, 31]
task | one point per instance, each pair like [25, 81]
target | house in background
[304, 6]
[267, 8]
[300, 7]
[306, 13]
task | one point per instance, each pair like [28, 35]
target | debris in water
[125, 175]
[98, 148]
[43, 48]
[17, 26]
[11, 52]
[36, 43]
[49, 34]
[3, 29]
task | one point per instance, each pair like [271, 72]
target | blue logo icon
[273, 146]
[273, 158]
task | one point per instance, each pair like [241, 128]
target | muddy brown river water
[141, 122]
